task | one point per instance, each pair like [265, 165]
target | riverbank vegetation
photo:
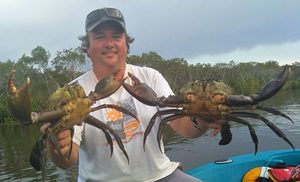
[49, 72]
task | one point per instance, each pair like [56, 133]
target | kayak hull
[233, 169]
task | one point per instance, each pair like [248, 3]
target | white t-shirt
[95, 163]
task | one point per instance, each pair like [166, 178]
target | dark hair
[85, 42]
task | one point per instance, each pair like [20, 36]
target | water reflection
[15, 147]
[16, 144]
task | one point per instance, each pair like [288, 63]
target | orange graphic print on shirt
[126, 126]
[114, 115]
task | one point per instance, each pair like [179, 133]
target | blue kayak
[233, 169]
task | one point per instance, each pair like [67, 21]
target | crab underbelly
[208, 109]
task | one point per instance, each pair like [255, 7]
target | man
[107, 43]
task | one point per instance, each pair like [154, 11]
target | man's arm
[64, 140]
[185, 127]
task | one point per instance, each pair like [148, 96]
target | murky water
[16, 144]
[15, 147]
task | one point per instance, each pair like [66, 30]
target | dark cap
[99, 16]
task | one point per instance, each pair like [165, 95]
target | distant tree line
[48, 73]
[244, 78]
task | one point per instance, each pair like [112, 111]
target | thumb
[44, 127]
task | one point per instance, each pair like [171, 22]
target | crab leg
[273, 127]
[109, 140]
[107, 136]
[251, 129]
[267, 109]
[162, 125]
[152, 121]
[94, 122]
[275, 112]
[118, 108]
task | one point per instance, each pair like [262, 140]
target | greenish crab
[68, 106]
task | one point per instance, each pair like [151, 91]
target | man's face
[107, 46]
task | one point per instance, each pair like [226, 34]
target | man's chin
[114, 64]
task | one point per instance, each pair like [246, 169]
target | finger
[214, 132]
[65, 150]
[63, 135]
[215, 126]
[64, 142]
[44, 126]
[209, 125]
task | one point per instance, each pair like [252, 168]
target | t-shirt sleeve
[77, 137]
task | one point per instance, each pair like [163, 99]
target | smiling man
[107, 44]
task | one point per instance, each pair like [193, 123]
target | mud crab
[69, 106]
[212, 101]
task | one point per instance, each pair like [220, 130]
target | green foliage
[44, 80]
[39, 58]
[244, 78]
[293, 84]
[5, 117]
[69, 64]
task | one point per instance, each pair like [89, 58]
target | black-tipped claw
[273, 86]
[141, 91]
[226, 135]
[38, 155]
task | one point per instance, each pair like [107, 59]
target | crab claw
[19, 100]
[141, 91]
[273, 86]
[269, 90]
[107, 86]
[38, 155]
[225, 134]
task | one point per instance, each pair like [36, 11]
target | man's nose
[109, 43]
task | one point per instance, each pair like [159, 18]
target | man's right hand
[64, 139]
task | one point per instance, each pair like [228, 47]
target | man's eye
[117, 36]
[99, 36]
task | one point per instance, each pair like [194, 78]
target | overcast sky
[200, 31]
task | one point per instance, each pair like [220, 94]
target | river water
[16, 144]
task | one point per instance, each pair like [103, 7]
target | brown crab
[212, 101]
[69, 106]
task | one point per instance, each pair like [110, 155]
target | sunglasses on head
[108, 12]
